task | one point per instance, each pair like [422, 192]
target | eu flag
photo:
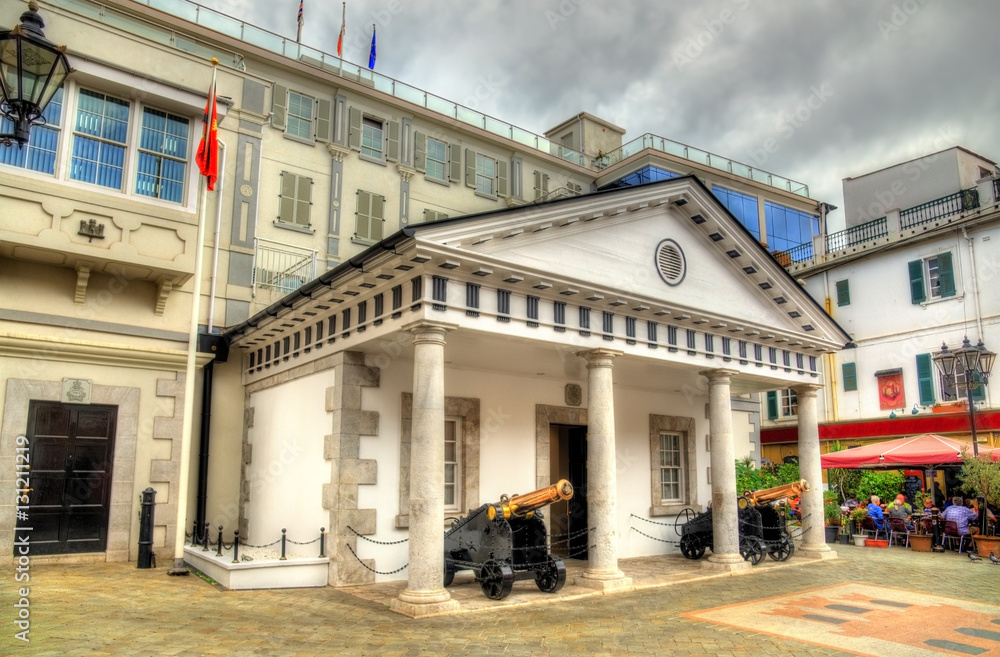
[371, 57]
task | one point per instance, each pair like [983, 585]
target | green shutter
[946, 275]
[454, 163]
[503, 179]
[392, 145]
[925, 379]
[772, 405]
[420, 152]
[303, 196]
[917, 293]
[279, 103]
[850, 376]
[470, 168]
[354, 120]
[286, 205]
[843, 293]
[324, 120]
[377, 216]
[363, 224]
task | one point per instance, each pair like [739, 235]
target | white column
[425, 593]
[725, 520]
[813, 535]
[602, 482]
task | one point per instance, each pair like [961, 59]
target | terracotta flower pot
[987, 544]
[920, 542]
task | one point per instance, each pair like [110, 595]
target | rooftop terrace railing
[967, 199]
[706, 158]
[860, 234]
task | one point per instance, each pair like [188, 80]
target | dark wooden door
[72, 449]
[577, 511]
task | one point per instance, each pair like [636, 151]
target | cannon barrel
[520, 506]
[778, 492]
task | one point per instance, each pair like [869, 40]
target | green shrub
[884, 483]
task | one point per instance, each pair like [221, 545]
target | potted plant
[832, 515]
[857, 516]
[981, 477]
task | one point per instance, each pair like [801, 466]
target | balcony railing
[801, 253]
[967, 199]
[281, 267]
[699, 156]
[860, 234]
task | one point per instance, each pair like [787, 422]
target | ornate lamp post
[969, 367]
[31, 71]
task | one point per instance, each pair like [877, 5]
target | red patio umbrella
[913, 451]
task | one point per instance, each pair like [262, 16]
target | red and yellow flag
[208, 149]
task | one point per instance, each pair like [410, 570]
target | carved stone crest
[574, 394]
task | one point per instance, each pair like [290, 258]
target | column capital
[429, 330]
[806, 389]
[719, 376]
[599, 357]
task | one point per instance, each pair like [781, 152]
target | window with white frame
[40, 152]
[782, 404]
[163, 150]
[932, 278]
[100, 139]
[486, 171]
[371, 138]
[299, 122]
[452, 464]
[437, 159]
[671, 468]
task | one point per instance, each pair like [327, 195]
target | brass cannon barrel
[520, 506]
[778, 492]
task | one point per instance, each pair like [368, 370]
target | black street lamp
[31, 71]
[969, 367]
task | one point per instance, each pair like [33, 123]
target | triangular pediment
[669, 249]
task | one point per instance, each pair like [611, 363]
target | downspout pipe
[970, 241]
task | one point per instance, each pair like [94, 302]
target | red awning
[923, 450]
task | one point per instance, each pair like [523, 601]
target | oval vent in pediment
[670, 262]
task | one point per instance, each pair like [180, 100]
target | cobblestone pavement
[115, 609]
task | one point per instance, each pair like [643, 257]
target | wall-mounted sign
[76, 391]
[890, 389]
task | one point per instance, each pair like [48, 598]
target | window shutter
[917, 294]
[772, 405]
[354, 128]
[377, 216]
[286, 206]
[362, 227]
[304, 200]
[470, 168]
[324, 120]
[946, 275]
[454, 163]
[843, 293]
[503, 180]
[392, 145]
[925, 379]
[538, 185]
[279, 101]
[850, 376]
[420, 152]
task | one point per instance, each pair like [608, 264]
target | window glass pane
[300, 112]
[98, 147]
[437, 157]
[162, 162]
[788, 228]
[743, 207]
[485, 172]
[371, 138]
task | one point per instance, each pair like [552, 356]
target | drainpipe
[975, 281]
[206, 388]
[831, 391]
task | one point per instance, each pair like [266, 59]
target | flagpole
[298, 33]
[181, 495]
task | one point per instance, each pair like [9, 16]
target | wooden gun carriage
[507, 541]
[762, 526]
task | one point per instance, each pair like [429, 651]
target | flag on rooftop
[343, 29]
[371, 57]
[301, 19]
[208, 149]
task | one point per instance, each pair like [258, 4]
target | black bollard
[219, 553]
[204, 547]
[236, 546]
[282, 545]
[146, 556]
[322, 538]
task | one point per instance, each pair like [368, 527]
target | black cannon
[506, 541]
[762, 527]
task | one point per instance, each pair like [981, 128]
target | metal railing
[281, 267]
[967, 199]
[866, 232]
[801, 253]
[699, 156]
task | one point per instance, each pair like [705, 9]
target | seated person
[875, 512]
[851, 503]
[991, 519]
[900, 509]
[928, 506]
[960, 514]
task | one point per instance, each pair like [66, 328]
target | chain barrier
[377, 572]
[661, 540]
[372, 540]
[303, 543]
[247, 545]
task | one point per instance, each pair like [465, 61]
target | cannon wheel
[751, 549]
[691, 547]
[496, 579]
[687, 513]
[784, 549]
[449, 572]
[552, 577]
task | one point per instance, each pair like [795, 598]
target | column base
[822, 552]
[732, 563]
[420, 604]
[604, 580]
